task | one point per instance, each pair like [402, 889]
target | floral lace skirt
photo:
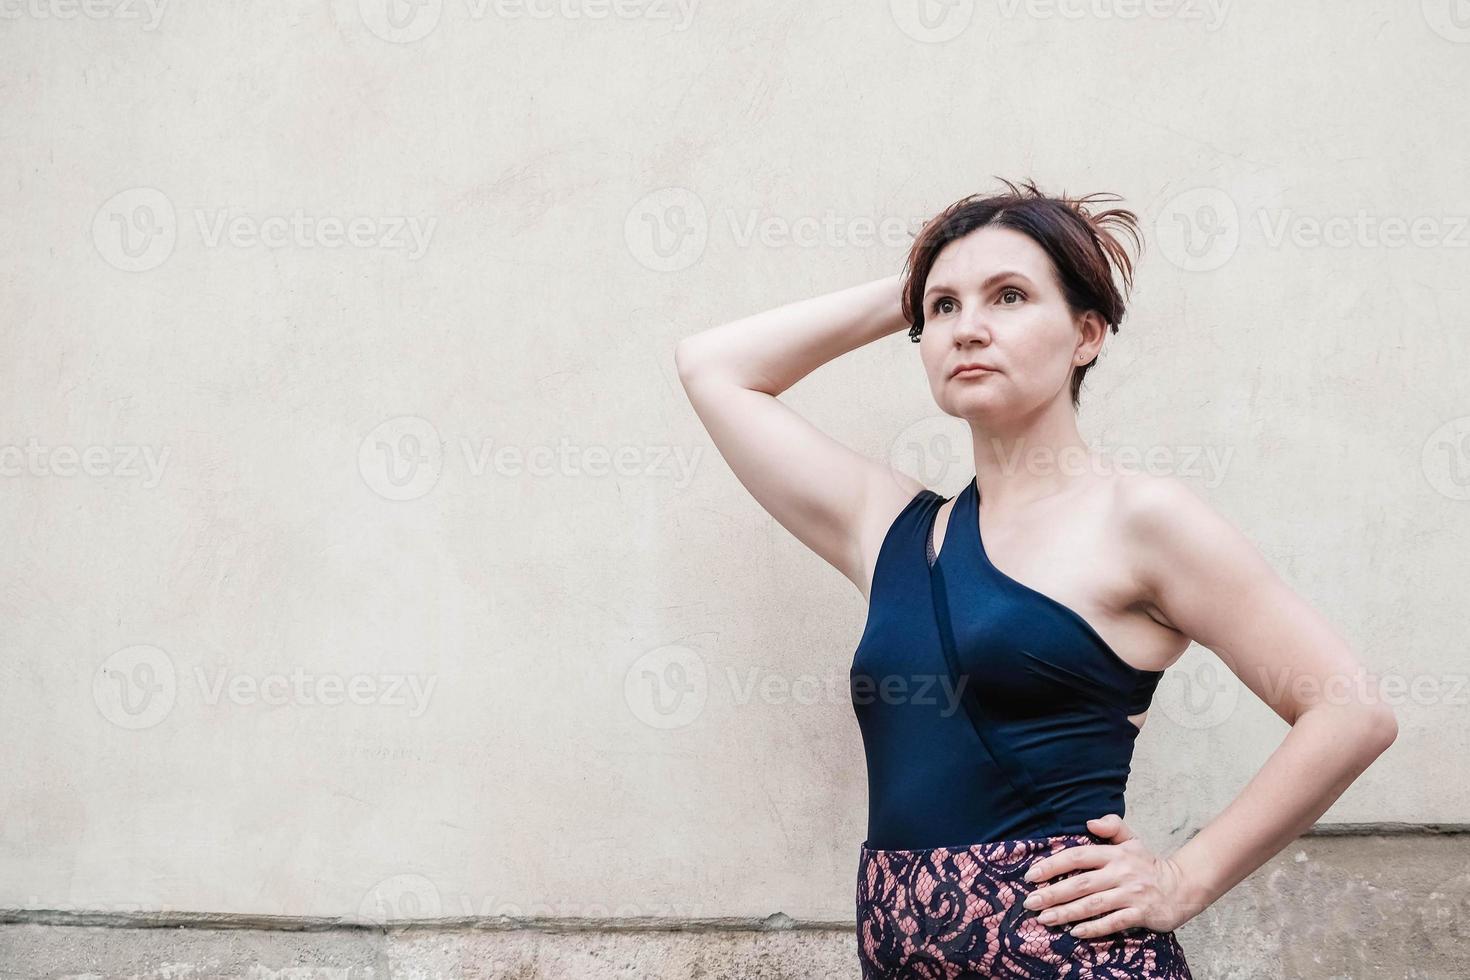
[947, 913]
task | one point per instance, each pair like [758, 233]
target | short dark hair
[1083, 247]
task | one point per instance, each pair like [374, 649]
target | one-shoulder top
[988, 710]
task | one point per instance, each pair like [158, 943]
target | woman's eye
[939, 304]
[1011, 290]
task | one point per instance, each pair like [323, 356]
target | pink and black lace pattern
[955, 913]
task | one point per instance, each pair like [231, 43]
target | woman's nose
[971, 327]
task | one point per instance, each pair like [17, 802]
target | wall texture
[366, 565]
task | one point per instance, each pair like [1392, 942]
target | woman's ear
[1091, 329]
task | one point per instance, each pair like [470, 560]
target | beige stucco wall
[341, 344]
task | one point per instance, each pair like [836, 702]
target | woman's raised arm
[835, 500]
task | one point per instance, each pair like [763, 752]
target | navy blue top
[1030, 737]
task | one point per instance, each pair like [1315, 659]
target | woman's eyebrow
[986, 284]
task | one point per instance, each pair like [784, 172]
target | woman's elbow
[686, 357]
[1383, 725]
[1371, 728]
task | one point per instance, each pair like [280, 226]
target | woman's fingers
[1096, 903]
[1068, 859]
[1110, 826]
[1069, 889]
[1128, 886]
[1125, 918]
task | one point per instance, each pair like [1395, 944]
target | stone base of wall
[1342, 902]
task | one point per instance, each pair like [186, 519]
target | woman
[1017, 631]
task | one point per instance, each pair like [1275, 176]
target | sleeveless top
[1016, 727]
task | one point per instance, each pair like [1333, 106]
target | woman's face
[992, 298]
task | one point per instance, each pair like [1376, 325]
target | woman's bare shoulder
[1152, 503]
